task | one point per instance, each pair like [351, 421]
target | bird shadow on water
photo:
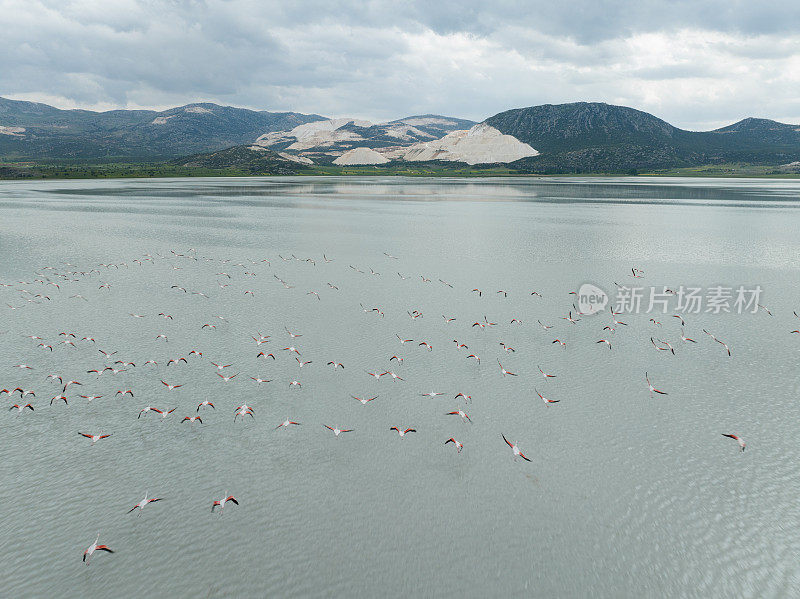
[534, 480]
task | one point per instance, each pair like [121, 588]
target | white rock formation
[336, 135]
[295, 158]
[406, 132]
[315, 134]
[480, 145]
[286, 155]
[198, 110]
[360, 156]
[161, 120]
[13, 131]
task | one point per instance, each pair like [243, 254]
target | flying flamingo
[570, 319]
[145, 410]
[464, 417]
[458, 445]
[737, 439]
[545, 375]
[95, 547]
[243, 410]
[402, 433]
[504, 371]
[653, 389]
[143, 503]
[94, 438]
[718, 341]
[364, 400]
[515, 449]
[668, 348]
[337, 431]
[221, 502]
[544, 399]
[90, 397]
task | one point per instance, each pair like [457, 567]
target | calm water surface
[626, 495]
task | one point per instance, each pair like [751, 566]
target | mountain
[553, 128]
[324, 141]
[596, 137]
[29, 130]
[580, 137]
[433, 124]
[758, 140]
[247, 160]
[764, 131]
[481, 144]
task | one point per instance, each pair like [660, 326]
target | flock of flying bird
[51, 283]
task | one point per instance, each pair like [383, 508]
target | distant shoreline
[29, 171]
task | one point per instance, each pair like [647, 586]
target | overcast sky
[697, 64]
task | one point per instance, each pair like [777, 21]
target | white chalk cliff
[314, 135]
[413, 139]
[480, 145]
[12, 131]
[336, 136]
[360, 156]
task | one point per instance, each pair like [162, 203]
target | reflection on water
[626, 496]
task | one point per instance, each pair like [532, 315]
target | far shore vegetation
[117, 170]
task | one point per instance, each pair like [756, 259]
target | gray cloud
[696, 64]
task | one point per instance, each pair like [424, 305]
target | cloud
[696, 64]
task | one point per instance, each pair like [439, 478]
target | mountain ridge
[577, 137]
[53, 133]
[600, 137]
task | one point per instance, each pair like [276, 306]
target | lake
[628, 493]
